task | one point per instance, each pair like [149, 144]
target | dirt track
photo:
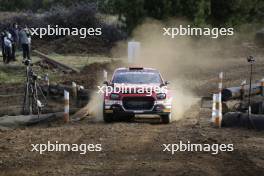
[136, 148]
[132, 149]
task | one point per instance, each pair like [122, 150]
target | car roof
[127, 69]
[135, 68]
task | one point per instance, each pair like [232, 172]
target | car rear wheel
[166, 119]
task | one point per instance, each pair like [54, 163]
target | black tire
[129, 119]
[108, 118]
[166, 119]
[231, 119]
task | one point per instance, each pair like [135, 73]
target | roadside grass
[14, 73]
[80, 61]
[10, 74]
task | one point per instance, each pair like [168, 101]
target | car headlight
[161, 96]
[114, 96]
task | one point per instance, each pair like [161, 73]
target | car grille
[138, 103]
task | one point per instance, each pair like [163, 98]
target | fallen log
[257, 105]
[81, 114]
[11, 110]
[12, 95]
[57, 64]
[238, 119]
[22, 120]
[57, 90]
[235, 92]
[17, 110]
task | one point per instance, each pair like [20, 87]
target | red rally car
[134, 91]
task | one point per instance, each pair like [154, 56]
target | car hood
[142, 87]
[137, 85]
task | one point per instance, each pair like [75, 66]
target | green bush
[132, 12]
[7, 5]
[201, 12]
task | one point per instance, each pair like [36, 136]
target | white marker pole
[217, 110]
[74, 90]
[214, 111]
[66, 106]
[46, 79]
[242, 89]
[105, 75]
[218, 120]
[133, 51]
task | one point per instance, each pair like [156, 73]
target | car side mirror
[106, 83]
[164, 84]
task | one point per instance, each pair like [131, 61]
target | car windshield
[137, 77]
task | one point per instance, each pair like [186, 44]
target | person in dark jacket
[14, 31]
[25, 41]
[2, 36]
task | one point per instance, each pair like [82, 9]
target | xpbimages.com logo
[63, 31]
[191, 147]
[132, 89]
[60, 147]
[181, 30]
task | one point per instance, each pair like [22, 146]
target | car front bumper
[117, 108]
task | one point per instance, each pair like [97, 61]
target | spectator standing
[25, 41]
[15, 35]
[2, 36]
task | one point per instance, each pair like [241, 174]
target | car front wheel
[108, 118]
[166, 119]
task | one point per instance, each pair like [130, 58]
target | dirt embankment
[92, 75]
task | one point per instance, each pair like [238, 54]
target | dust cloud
[95, 106]
[173, 58]
[180, 60]
[94, 109]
